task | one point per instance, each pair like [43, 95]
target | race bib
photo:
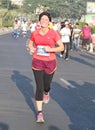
[41, 51]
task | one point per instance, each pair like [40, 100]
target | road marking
[93, 100]
[67, 83]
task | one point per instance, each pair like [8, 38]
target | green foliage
[63, 8]
[81, 24]
[3, 3]
[58, 8]
[7, 23]
[93, 29]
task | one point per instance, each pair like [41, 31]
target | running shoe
[46, 98]
[66, 59]
[61, 55]
[40, 118]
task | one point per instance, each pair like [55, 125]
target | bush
[81, 24]
[7, 23]
[93, 29]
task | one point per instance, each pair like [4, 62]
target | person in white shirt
[65, 36]
[16, 28]
[24, 28]
[32, 26]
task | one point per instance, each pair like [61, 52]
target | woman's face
[85, 25]
[44, 21]
[67, 25]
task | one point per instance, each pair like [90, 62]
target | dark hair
[45, 13]
[62, 25]
[86, 24]
[77, 23]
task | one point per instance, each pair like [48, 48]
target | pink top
[49, 39]
[86, 32]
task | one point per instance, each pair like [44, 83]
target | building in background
[90, 13]
[90, 19]
[90, 7]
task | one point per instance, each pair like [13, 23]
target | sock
[39, 112]
[46, 93]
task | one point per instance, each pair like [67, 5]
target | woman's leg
[47, 81]
[39, 89]
[67, 50]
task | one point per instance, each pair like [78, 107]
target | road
[72, 104]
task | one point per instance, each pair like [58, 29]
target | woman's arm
[31, 46]
[58, 48]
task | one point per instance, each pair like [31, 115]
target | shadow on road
[24, 85]
[82, 61]
[53, 128]
[4, 126]
[78, 103]
[89, 57]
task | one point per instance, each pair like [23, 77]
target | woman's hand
[32, 49]
[47, 48]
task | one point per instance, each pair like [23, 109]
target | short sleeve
[32, 37]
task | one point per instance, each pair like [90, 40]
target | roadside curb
[5, 30]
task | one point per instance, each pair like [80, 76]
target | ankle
[39, 112]
[46, 93]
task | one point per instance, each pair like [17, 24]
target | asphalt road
[72, 104]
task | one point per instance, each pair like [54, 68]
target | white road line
[93, 100]
[67, 83]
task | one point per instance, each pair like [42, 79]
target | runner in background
[16, 28]
[32, 26]
[65, 33]
[86, 34]
[24, 26]
[76, 36]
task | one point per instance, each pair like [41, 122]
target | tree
[63, 8]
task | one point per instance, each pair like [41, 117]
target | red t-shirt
[49, 39]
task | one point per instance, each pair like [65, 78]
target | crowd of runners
[73, 37]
